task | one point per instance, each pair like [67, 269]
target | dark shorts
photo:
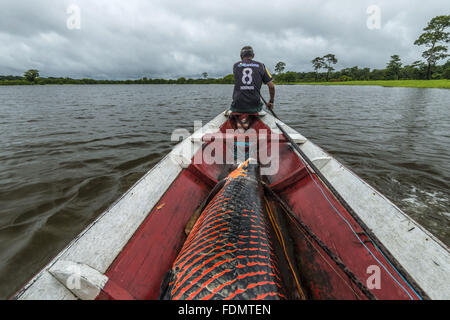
[247, 109]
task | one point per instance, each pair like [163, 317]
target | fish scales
[229, 254]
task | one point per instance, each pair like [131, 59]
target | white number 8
[247, 77]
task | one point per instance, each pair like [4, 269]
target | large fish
[228, 254]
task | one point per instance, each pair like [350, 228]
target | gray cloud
[172, 38]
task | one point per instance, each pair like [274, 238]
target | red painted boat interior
[138, 271]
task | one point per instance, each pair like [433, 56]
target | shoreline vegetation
[439, 83]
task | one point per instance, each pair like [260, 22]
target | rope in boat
[373, 239]
[324, 247]
[283, 245]
[328, 263]
[377, 244]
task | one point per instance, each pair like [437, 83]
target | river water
[68, 152]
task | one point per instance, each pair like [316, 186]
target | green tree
[279, 67]
[229, 79]
[376, 74]
[329, 59]
[288, 77]
[394, 67]
[415, 71]
[318, 63]
[205, 75]
[31, 75]
[446, 73]
[434, 38]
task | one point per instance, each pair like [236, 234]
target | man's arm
[272, 94]
[268, 79]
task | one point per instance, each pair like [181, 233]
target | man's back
[249, 75]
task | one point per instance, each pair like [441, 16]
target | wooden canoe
[126, 252]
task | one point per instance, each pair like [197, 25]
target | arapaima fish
[228, 254]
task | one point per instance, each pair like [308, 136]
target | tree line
[395, 70]
[36, 80]
[434, 39]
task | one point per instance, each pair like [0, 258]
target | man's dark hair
[247, 52]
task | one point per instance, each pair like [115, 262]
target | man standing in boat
[249, 75]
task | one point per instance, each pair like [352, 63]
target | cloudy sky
[120, 39]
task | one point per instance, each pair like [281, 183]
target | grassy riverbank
[444, 84]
